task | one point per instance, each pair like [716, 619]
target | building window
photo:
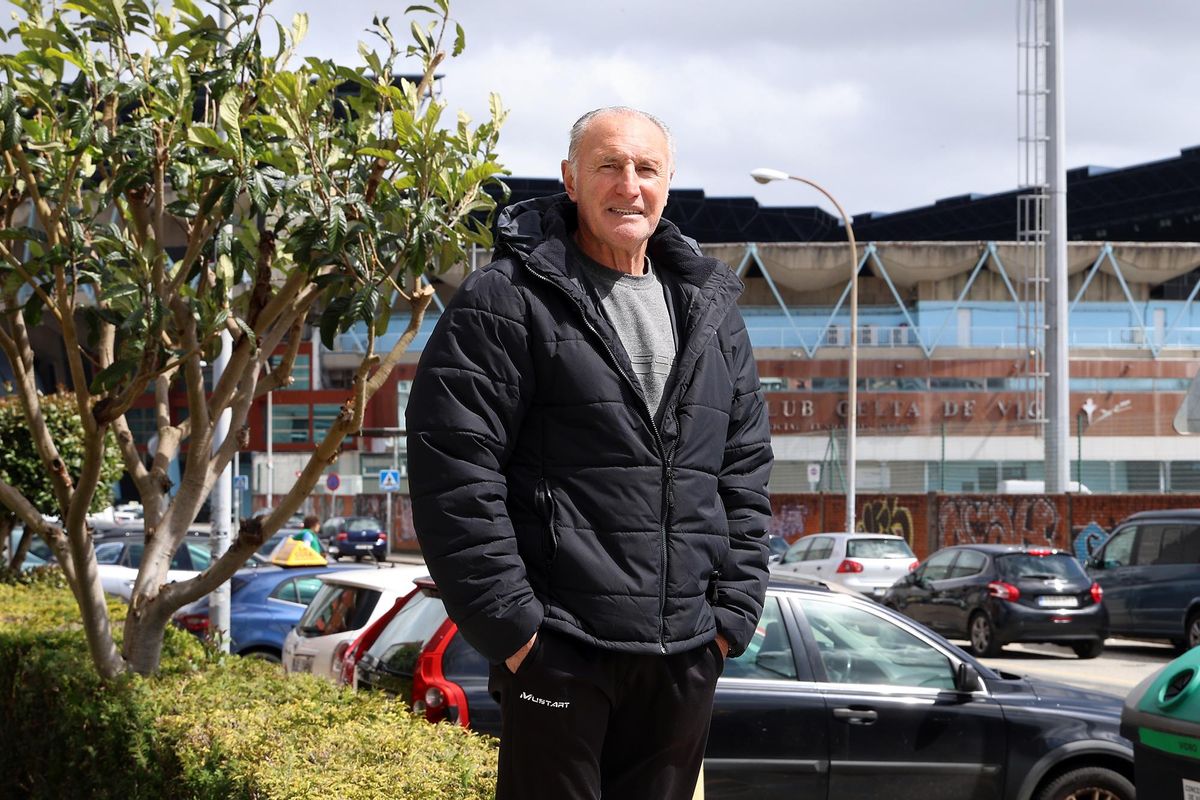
[301, 371]
[323, 416]
[1142, 476]
[141, 424]
[1185, 476]
[289, 424]
[339, 378]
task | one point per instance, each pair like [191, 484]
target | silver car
[865, 562]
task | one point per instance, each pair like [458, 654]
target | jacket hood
[544, 222]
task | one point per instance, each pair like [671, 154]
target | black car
[996, 594]
[836, 696]
[354, 536]
[1151, 584]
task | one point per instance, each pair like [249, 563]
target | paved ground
[1122, 666]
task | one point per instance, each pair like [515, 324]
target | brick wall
[932, 521]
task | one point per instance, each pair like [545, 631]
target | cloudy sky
[888, 103]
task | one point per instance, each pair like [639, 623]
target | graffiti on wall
[997, 520]
[887, 516]
[1088, 540]
[790, 521]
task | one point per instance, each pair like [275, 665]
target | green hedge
[208, 726]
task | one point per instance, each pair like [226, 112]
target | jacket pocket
[543, 502]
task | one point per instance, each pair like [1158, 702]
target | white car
[342, 607]
[865, 562]
[118, 559]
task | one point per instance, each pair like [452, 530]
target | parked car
[344, 605]
[866, 562]
[354, 536]
[39, 553]
[995, 594]
[836, 696]
[1150, 570]
[265, 604]
[263, 554]
[119, 555]
[776, 546]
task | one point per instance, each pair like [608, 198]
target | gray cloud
[888, 103]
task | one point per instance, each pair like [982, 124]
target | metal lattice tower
[1032, 229]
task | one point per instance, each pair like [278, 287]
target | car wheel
[358, 559]
[1090, 649]
[264, 655]
[1191, 632]
[982, 635]
[1089, 783]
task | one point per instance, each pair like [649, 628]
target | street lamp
[765, 175]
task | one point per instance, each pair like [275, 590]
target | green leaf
[230, 114]
[460, 40]
[331, 319]
[245, 328]
[120, 291]
[299, 28]
[68, 57]
[337, 226]
[375, 152]
[11, 136]
[204, 136]
[189, 8]
[111, 375]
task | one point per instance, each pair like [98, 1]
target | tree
[21, 468]
[168, 175]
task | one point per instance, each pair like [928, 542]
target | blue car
[265, 604]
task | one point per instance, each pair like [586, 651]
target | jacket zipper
[668, 471]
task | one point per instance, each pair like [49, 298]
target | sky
[888, 104]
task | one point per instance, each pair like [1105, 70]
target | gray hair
[581, 125]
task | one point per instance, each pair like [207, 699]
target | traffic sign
[333, 481]
[814, 473]
[389, 480]
[241, 482]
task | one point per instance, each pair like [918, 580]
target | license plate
[302, 663]
[1058, 601]
[364, 546]
[1191, 789]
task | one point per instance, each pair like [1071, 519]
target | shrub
[207, 726]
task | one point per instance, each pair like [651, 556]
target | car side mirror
[774, 558]
[967, 679]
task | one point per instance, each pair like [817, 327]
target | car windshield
[337, 608]
[401, 641]
[878, 548]
[1018, 566]
[357, 525]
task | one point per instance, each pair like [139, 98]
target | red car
[412, 651]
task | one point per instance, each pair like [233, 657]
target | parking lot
[1122, 666]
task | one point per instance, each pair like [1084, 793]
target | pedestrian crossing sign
[389, 480]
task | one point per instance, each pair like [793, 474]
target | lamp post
[765, 175]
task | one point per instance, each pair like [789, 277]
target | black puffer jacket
[544, 493]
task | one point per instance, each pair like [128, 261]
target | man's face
[620, 185]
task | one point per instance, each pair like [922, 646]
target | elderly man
[588, 453]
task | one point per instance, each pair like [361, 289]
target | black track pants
[580, 723]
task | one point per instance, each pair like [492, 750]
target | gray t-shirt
[637, 309]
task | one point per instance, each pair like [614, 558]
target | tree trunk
[98, 628]
[144, 635]
[16, 557]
